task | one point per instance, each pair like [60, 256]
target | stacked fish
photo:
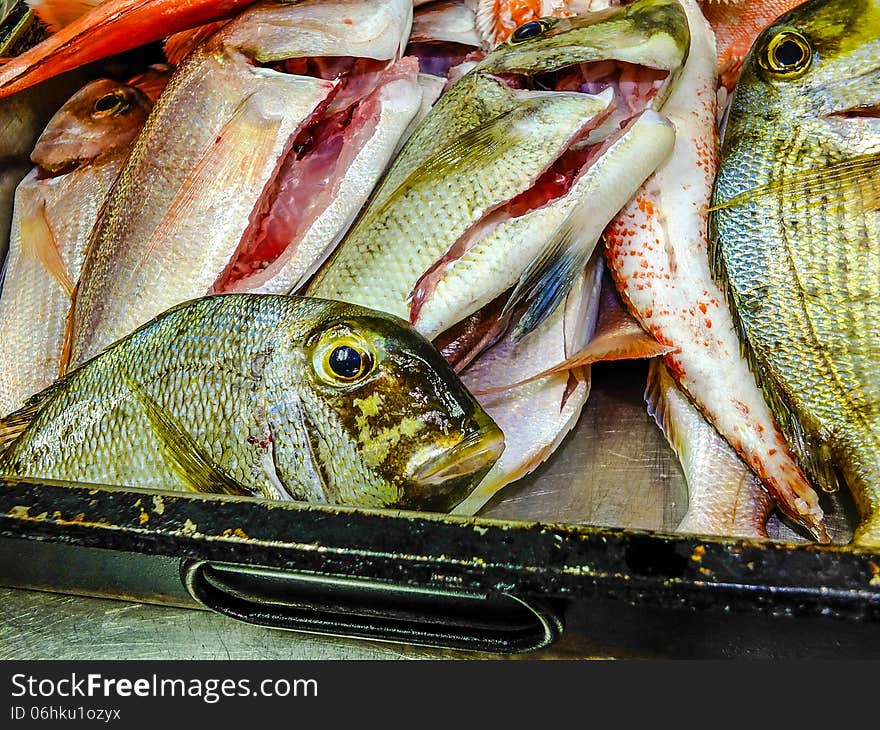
[302, 149]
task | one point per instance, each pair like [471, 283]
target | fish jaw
[657, 252]
[111, 27]
[724, 496]
[163, 199]
[366, 149]
[497, 260]
[535, 417]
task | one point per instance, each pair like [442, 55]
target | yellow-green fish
[269, 396]
[796, 237]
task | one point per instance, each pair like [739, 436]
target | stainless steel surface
[36, 625]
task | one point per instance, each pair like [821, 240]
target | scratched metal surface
[35, 625]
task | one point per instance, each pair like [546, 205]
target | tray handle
[369, 609]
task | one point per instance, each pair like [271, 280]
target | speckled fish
[264, 137]
[724, 497]
[77, 159]
[796, 236]
[269, 396]
[657, 252]
[488, 187]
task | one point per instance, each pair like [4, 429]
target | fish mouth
[315, 159]
[441, 480]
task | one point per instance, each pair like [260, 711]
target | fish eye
[530, 30]
[343, 360]
[787, 54]
[109, 104]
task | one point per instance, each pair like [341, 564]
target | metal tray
[577, 559]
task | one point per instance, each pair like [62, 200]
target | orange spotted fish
[657, 253]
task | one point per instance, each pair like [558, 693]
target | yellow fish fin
[856, 176]
[17, 422]
[38, 241]
[189, 460]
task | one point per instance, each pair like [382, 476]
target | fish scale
[796, 237]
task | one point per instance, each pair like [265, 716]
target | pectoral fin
[190, 461]
[855, 178]
[39, 242]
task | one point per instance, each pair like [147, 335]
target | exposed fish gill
[554, 182]
[310, 163]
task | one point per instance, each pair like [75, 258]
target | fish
[724, 497]
[656, 249]
[535, 416]
[795, 238]
[111, 27]
[270, 396]
[77, 159]
[263, 138]
[432, 246]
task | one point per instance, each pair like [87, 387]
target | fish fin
[67, 341]
[550, 276]
[17, 422]
[58, 13]
[38, 240]
[215, 169]
[189, 460]
[604, 347]
[659, 382]
[859, 175]
[179, 45]
[811, 454]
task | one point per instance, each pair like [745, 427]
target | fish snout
[439, 479]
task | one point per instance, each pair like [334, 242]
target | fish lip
[474, 453]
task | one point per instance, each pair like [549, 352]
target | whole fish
[796, 236]
[77, 159]
[264, 137]
[270, 396]
[657, 252]
[487, 187]
[724, 496]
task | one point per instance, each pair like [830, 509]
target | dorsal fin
[179, 45]
[17, 422]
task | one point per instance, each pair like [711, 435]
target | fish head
[399, 409]
[638, 50]
[102, 117]
[817, 65]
